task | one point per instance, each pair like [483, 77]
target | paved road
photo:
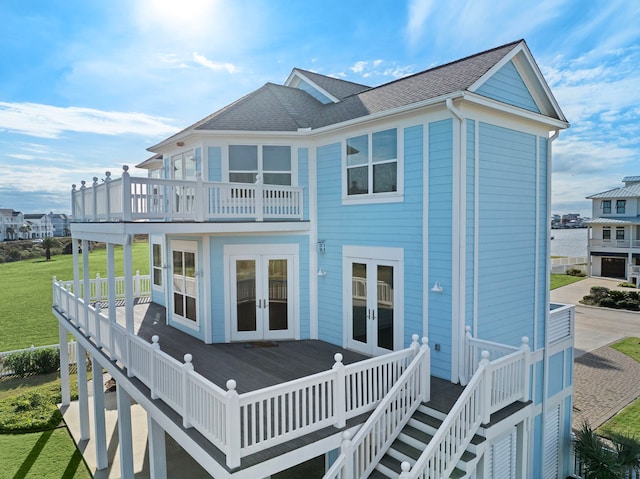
[605, 380]
[596, 327]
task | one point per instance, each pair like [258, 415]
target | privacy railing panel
[137, 198]
[561, 322]
[238, 424]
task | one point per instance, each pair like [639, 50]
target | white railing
[99, 287]
[360, 455]
[568, 260]
[613, 243]
[494, 385]
[5, 370]
[473, 348]
[239, 424]
[137, 198]
[561, 322]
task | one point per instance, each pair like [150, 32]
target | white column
[157, 449]
[83, 393]
[111, 285]
[86, 282]
[128, 284]
[64, 365]
[100, 430]
[76, 277]
[124, 432]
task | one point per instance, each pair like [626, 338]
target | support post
[100, 430]
[259, 199]
[126, 194]
[64, 365]
[128, 285]
[83, 392]
[486, 393]
[94, 197]
[200, 202]
[187, 367]
[346, 448]
[107, 195]
[125, 437]
[111, 293]
[233, 425]
[339, 402]
[426, 371]
[76, 280]
[155, 346]
[526, 365]
[86, 286]
[157, 449]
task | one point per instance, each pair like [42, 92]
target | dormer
[323, 88]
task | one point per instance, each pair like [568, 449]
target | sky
[87, 86]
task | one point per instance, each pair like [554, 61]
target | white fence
[138, 198]
[239, 424]
[5, 370]
[99, 287]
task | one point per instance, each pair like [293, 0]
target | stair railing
[493, 386]
[360, 454]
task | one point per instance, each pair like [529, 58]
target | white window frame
[370, 197]
[621, 205]
[293, 172]
[160, 268]
[181, 157]
[191, 247]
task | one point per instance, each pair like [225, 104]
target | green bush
[32, 411]
[627, 304]
[607, 303]
[575, 272]
[599, 293]
[39, 361]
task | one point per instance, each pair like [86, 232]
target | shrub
[32, 411]
[599, 293]
[39, 361]
[607, 303]
[626, 285]
[627, 304]
[617, 295]
[575, 272]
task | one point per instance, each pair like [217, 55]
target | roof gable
[523, 79]
[323, 88]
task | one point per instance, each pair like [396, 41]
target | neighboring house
[11, 223]
[60, 224]
[614, 236]
[327, 215]
[40, 225]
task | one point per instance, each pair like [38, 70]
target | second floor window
[271, 162]
[372, 163]
[621, 206]
[606, 234]
[183, 166]
[619, 233]
[606, 207]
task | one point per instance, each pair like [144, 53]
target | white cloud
[419, 11]
[205, 62]
[358, 67]
[368, 69]
[47, 121]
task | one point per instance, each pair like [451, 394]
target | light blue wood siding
[217, 298]
[506, 85]
[507, 222]
[440, 244]
[396, 225]
[303, 179]
[470, 221]
[214, 163]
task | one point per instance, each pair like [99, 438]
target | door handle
[259, 303]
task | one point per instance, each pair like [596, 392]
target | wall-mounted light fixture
[322, 272]
[436, 287]
[180, 143]
[321, 246]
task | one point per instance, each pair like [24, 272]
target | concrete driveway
[597, 327]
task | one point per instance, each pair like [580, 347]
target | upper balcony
[154, 199]
[614, 243]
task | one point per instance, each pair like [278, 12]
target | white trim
[456, 249]
[425, 230]
[297, 73]
[189, 246]
[476, 225]
[205, 300]
[314, 260]
[288, 251]
[379, 256]
[371, 198]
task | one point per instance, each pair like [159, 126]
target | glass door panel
[359, 302]
[246, 295]
[185, 285]
[385, 307]
[278, 295]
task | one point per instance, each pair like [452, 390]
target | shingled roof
[281, 108]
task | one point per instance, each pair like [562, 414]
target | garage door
[613, 267]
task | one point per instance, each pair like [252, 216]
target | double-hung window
[372, 163]
[606, 233]
[621, 206]
[271, 162]
[606, 207]
[183, 166]
[156, 260]
[619, 233]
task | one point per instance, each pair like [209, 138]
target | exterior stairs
[414, 438]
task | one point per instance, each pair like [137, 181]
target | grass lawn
[45, 454]
[558, 280]
[49, 455]
[25, 294]
[626, 421]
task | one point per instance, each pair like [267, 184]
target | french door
[261, 306]
[372, 311]
[185, 282]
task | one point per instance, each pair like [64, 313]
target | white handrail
[360, 455]
[237, 424]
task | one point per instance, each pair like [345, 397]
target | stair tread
[406, 449]
[427, 419]
[391, 463]
[377, 475]
[417, 434]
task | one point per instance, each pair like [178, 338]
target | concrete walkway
[605, 380]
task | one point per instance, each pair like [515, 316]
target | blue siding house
[402, 227]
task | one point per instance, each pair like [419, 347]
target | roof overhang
[628, 220]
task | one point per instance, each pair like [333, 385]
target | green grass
[558, 280]
[25, 293]
[48, 455]
[626, 421]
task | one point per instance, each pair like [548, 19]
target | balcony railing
[614, 243]
[154, 199]
[242, 424]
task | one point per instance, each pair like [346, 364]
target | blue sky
[87, 86]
